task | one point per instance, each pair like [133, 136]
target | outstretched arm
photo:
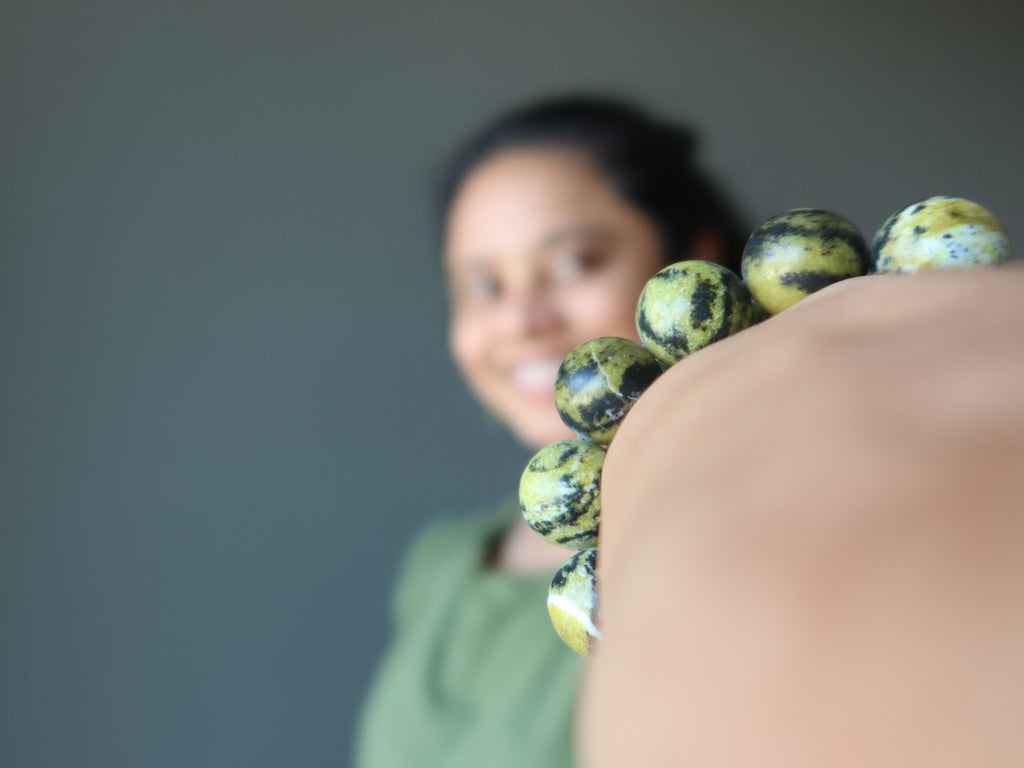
[812, 542]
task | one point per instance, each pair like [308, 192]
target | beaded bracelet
[687, 306]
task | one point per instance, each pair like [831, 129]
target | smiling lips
[537, 377]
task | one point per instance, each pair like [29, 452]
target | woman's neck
[523, 551]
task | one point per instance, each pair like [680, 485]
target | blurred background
[225, 399]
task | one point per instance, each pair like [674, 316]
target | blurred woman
[555, 216]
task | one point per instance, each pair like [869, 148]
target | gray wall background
[225, 401]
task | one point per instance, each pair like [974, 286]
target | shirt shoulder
[445, 557]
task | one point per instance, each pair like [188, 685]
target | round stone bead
[689, 305]
[599, 381]
[560, 493]
[939, 233]
[796, 253]
[759, 313]
[572, 602]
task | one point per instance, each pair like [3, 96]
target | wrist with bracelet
[687, 306]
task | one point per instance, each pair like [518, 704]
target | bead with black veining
[560, 493]
[572, 602]
[794, 254]
[939, 233]
[689, 305]
[599, 381]
[759, 313]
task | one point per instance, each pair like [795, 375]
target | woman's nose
[532, 310]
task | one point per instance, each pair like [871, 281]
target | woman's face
[541, 254]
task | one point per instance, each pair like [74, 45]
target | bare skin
[521, 550]
[812, 545]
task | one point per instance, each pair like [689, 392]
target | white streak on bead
[567, 606]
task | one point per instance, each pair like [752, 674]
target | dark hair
[649, 161]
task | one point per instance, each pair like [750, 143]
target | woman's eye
[568, 266]
[480, 289]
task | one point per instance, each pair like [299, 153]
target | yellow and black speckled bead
[759, 313]
[939, 233]
[599, 381]
[560, 493]
[572, 602]
[796, 253]
[689, 305]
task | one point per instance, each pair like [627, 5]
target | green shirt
[475, 676]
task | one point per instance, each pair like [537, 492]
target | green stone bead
[939, 233]
[560, 493]
[689, 305]
[598, 383]
[759, 314]
[572, 602]
[794, 254]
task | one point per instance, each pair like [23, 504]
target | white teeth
[537, 374]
